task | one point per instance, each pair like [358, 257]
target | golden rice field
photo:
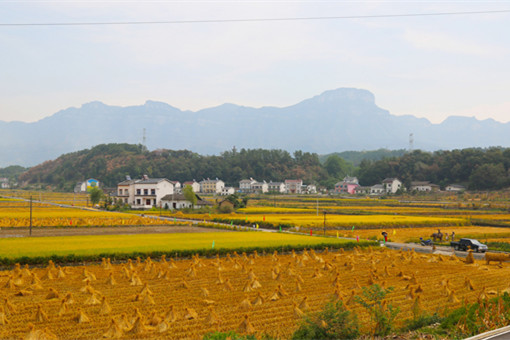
[334, 221]
[250, 294]
[16, 213]
[78, 199]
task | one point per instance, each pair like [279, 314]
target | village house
[360, 190]
[144, 193]
[347, 185]
[227, 191]
[391, 185]
[455, 188]
[276, 187]
[245, 185]
[211, 186]
[377, 189]
[259, 187]
[4, 183]
[293, 186]
[423, 186]
[194, 185]
[309, 189]
[178, 201]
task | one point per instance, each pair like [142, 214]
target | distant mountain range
[337, 120]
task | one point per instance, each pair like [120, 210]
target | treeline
[477, 169]
[110, 163]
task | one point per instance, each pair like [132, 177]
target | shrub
[333, 322]
[381, 313]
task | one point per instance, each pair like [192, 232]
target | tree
[337, 167]
[189, 195]
[333, 322]
[382, 314]
[95, 195]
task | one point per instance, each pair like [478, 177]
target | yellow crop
[186, 299]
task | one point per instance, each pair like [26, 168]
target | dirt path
[40, 232]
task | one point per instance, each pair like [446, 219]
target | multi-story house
[245, 185]
[293, 186]
[347, 186]
[278, 187]
[211, 186]
[391, 185]
[144, 193]
[259, 187]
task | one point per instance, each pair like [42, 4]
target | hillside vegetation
[476, 168]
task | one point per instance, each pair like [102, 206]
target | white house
[293, 186]
[245, 185]
[194, 185]
[360, 190]
[227, 191]
[423, 186]
[278, 187]
[260, 187]
[455, 188]
[310, 189]
[178, 201]
[211, 186]
[391, 185]
[144, 193]
[377, 189]
[4, 183]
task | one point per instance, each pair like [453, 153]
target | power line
[251, 20]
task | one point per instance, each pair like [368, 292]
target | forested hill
[478, 169]
[110, 163]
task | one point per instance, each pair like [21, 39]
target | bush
[333, 322]
[382, 314]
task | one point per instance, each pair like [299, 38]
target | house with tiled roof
[144, 193]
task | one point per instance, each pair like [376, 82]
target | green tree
[381, 313]
[333, 322]
[95, 195]
[189, 195]
[337, 167]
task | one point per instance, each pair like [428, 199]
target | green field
[146, 243]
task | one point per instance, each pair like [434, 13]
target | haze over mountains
[336, 120]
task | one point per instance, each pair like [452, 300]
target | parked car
[469, 243]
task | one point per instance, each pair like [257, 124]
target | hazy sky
[428, 66]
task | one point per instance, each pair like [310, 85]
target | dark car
[469, 243]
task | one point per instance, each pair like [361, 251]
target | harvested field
[246, 293]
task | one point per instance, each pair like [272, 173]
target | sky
[426, 66]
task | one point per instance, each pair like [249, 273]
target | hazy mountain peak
[345, 94]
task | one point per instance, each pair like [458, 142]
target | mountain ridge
[334, 121]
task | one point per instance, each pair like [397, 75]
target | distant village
[145, 192]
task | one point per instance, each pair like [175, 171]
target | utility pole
[324, 223]
[30, 215]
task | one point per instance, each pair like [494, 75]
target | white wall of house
[228, 191]
[144, 193]
[392, 185]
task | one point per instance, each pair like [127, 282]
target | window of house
[138, 191]
[153, 191]
[138, 201]
[148, 202]
[145, 191]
